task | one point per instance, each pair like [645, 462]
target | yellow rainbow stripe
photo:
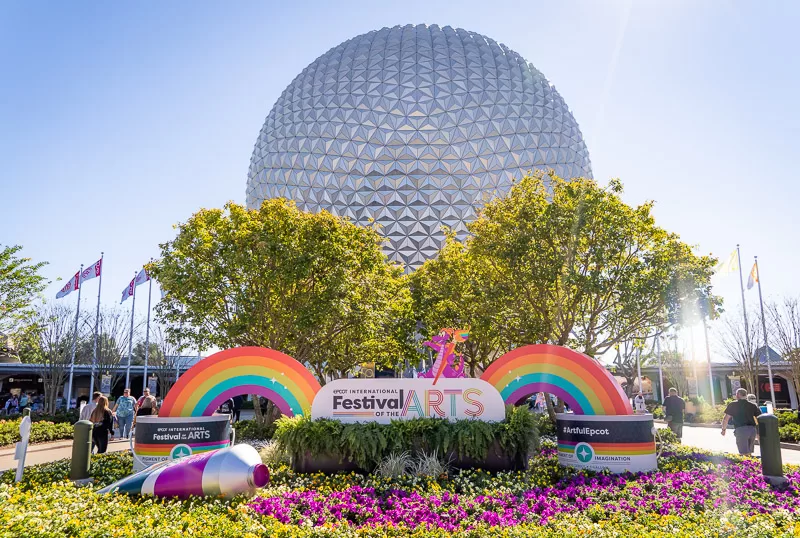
[239, 371]
[576, 378]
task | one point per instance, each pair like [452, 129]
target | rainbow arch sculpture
[238, 371]
[579, 380]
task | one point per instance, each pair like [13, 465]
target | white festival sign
[384, 400]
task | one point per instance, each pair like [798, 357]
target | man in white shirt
[86, 412]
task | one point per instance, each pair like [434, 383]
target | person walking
[238, 402]
[744, 415]
[124, 408]
[86, 412]
[673, 411]
[103, 424]
[147, 404]
[23, 401]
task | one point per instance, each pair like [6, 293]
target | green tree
[20, 283]
[451, 291]
[311, 285]
[573, 264]
[47, 342]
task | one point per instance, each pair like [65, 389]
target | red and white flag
[142, 277]
[92, 271]
[69, 287]
[128, 291]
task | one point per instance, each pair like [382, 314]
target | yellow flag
[753, 276]
[728, 266]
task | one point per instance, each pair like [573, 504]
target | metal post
[96, 327]
[766, 340]
[744, 312]
[694, 362]
[74, 340]
[130, 342]
[708, 358]
[147, 336]
[639, 368]
[660, 371]
[744, 305]
[770, 446]
[81, 451]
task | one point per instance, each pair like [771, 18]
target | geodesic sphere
[415, 127]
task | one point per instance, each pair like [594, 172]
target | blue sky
[117, 121]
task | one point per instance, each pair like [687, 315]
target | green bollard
[81, 451]
[770, 442]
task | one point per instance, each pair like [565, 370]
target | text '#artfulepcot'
[384, 400]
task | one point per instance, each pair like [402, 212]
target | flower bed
[692, 494]
[685, 482]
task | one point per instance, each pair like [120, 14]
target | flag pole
[708, 358]
[766, 341]
[74, 341]
[639, 368]
[96, 327]
[130, 340]
[147, 336]
[744, 307]
[694, 362]
[660, 371]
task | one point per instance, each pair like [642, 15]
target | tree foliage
[568, 262]
[20, 283]
[451, 291]
[739, 343]
[48, 342]
[314, 286]
[785, 318]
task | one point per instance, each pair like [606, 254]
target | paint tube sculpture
[227, 472]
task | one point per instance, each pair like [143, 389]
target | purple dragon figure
[444, 365]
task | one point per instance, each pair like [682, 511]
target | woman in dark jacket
[103, 424]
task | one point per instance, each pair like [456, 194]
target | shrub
[59, 417]
[429, 465]
[367, 444]
[787, 417]
[395, 465]
[273, 456]
[790, 433]
[544, 425]
[250, 429]
[40, 432]
[667, 437]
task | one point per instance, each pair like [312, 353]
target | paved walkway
[46, 452]
[711, 439]
[707, 438]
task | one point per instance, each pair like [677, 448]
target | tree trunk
[259, 416]
[550, 409]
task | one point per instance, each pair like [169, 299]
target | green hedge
[790, 433]
[252, 430]
[787, 417]
[368, 443]
[40, 432]
[60, 417]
